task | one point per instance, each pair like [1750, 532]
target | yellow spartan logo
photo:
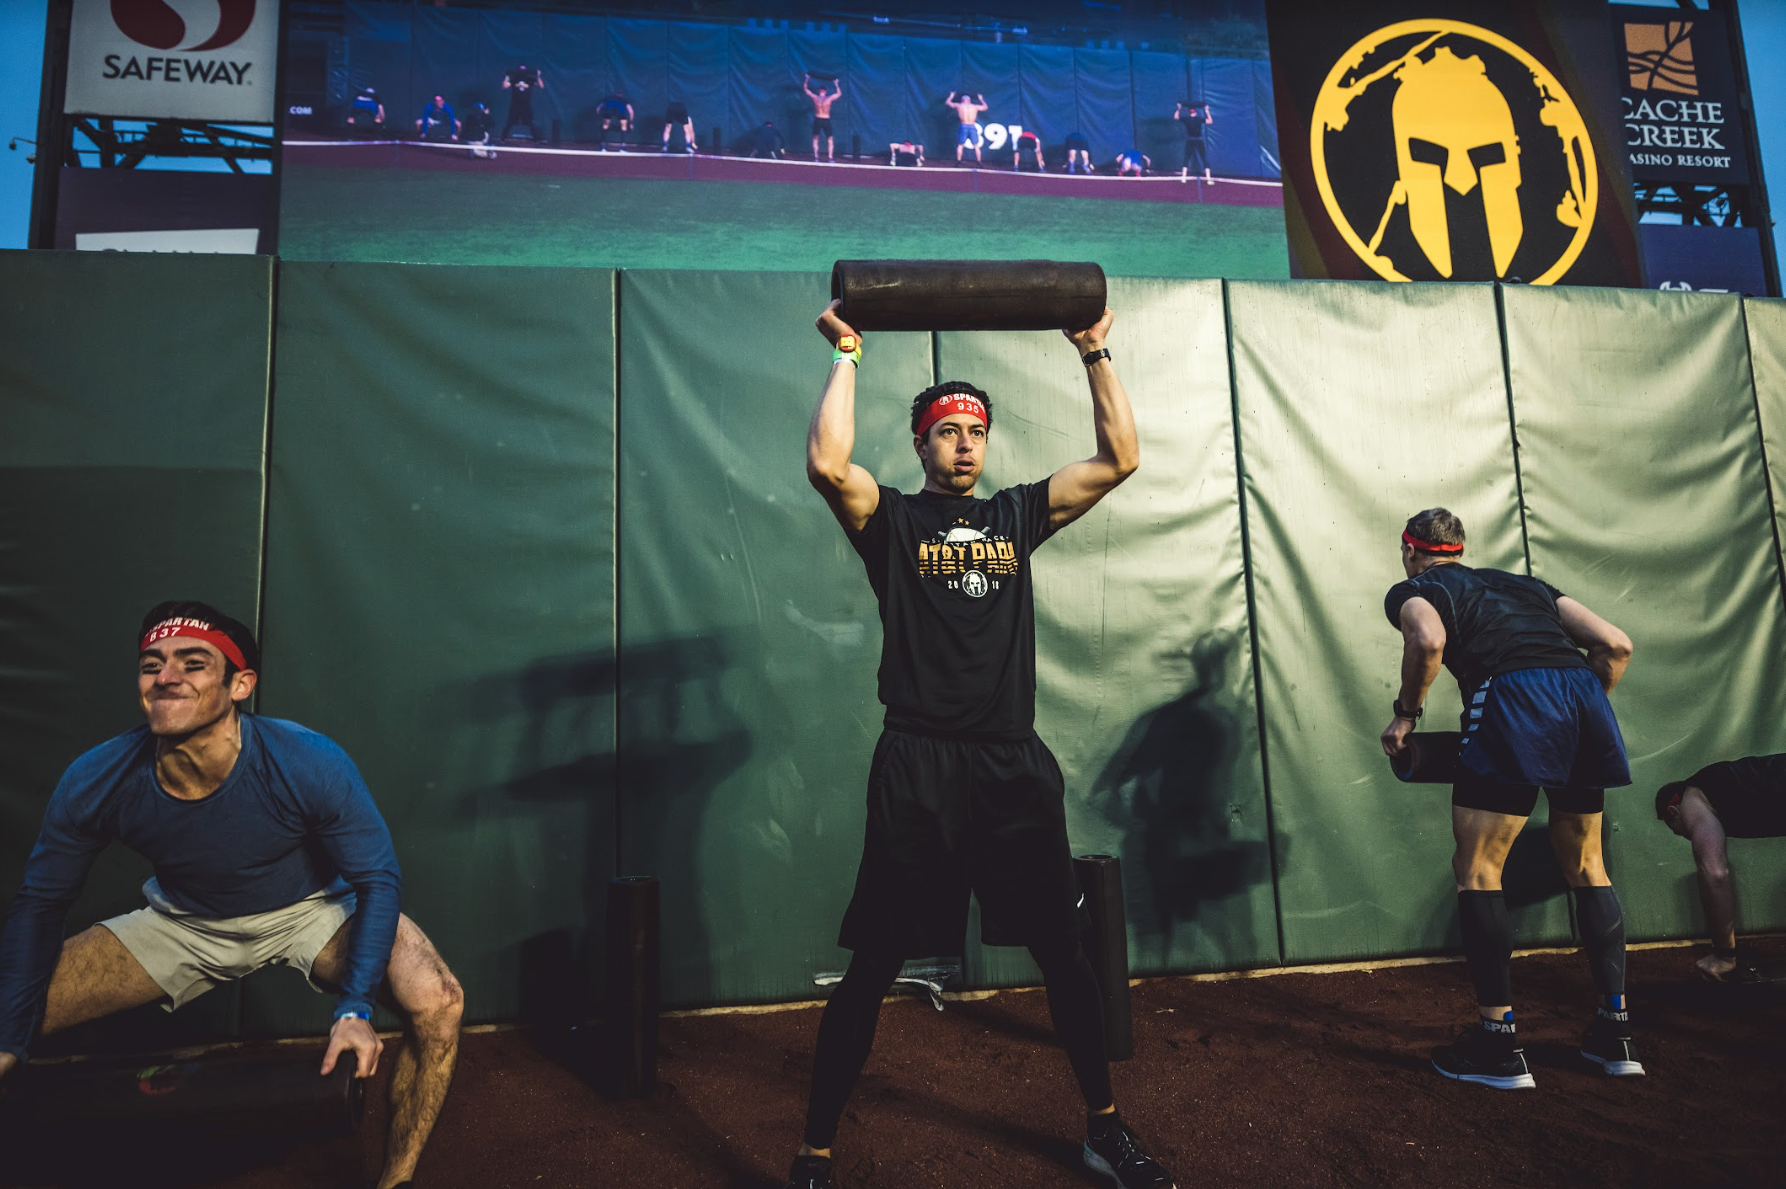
[1450, 126]
[1660, 58]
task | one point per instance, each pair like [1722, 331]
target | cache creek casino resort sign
[174, 59]
[1451, 145]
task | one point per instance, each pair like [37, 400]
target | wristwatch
[1411, 715]
[1091, 357]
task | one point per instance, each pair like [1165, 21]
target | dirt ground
[1302, 1079]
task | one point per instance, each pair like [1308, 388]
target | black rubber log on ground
[1429, 758]
[280, 1090]
[1107, 946]
[969, 294]
[630, 1000]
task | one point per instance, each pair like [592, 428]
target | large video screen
[459, 135]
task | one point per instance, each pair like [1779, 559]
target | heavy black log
[1107, 946]
[1429, 758]
[218, 1090]
[968, 294]
[630, 1003]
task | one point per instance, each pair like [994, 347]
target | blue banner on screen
[473, 135]
[1704, 259]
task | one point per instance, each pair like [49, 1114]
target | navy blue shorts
[1539, 727]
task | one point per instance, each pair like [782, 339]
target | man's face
[953, 451]
[180, 683]
[439, 102]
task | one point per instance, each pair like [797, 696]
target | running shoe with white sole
[1116, 1156]
[1607, 1043]
[1486, 1058]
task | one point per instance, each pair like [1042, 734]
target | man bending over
[268, 851]
[1734, 799]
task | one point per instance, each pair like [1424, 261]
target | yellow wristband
[848, 347]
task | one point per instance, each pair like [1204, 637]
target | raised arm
[1608, 649]
[831, 438]
[950, 101]
[806, 85]
[1074, 488]
[836, 88]
[1423, 651]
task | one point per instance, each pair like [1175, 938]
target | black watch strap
[1091, 357]
[1411, 715]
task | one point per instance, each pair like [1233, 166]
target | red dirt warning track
[1314, 1079]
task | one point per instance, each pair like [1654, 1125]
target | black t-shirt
[1193, 124]
[958, 655]
[521, 84]
[1495, 622]
[1748, 795]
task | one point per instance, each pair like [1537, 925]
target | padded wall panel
[1761, 863]
[1144, 665]
[133, 392]
[1647, 501]
[441, 568]
[1359, 405]
[749, 635]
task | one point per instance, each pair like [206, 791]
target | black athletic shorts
[1194, 156]
[676, 114]
[1518, 800]
[946, 817]
[821, 125]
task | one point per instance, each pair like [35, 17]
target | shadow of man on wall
[1169, 790]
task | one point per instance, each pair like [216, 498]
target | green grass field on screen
[425, 216]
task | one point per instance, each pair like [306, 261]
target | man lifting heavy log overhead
[268, 851]
[962, 794]
[1535, 713]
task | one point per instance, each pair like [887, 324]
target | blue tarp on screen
[733, 77]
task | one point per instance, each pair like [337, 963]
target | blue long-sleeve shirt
[292, 818]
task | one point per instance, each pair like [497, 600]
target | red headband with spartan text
[1429, 546]
[195, 629]
[948, 405]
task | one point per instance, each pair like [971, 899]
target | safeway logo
[189, 25]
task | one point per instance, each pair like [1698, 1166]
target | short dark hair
[1669, 794]
[1436, 525]
[239, 633]
[948, 388]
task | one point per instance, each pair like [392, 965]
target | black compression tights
[846, 1033]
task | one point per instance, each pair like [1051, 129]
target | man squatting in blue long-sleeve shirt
[267, 850]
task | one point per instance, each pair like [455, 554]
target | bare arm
[805, 85]
[836, 88]
[1423, 651]
[1074, 488]
[1608, 649]
[849, 489]
[1711, 856]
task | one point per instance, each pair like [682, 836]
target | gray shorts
[187, 955]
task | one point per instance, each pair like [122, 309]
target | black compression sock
[1602, 925]
[1098, 1126]
[1488, 945]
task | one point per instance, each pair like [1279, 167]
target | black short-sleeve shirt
[1748, 795]
[1495, 622]
[952, 575]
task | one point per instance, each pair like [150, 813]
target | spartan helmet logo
[1444, 151]
[1453, 128]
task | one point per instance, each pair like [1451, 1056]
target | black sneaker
[1488, 1054]
[1607, 1043]
[810, 1172]
[1116, 1156]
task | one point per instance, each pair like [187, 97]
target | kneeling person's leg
[420, 987]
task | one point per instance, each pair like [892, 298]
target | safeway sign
[174, 59]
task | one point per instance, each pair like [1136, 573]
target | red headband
[1429, 546]
[195, 629]
[948, 405]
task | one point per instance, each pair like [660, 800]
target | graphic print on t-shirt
[967, 559]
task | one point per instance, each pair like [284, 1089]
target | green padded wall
[1360, 404]
[1760, 863]
[749, 636]
[1144, 662]
[441, 595]
[1647, 501]
[133, 392]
